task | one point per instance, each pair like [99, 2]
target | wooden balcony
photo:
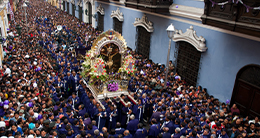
[158, 6]
[233, 16]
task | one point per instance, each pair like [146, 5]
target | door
[142, 41]
[246, 92]
[188, 62]
[89, 13]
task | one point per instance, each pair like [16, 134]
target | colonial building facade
[216, 45]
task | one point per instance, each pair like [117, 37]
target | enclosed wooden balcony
[159, 6]
[233, 15]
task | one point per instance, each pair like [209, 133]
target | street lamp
[25, 6]
[18, 28]
[170, 31]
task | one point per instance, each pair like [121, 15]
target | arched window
[100, 17]
[144, 28]
[118, 19]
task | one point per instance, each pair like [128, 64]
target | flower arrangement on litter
[87, 63]
[112, 86]
[128, 66]
[97, 70]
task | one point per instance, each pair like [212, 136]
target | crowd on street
[43, 95]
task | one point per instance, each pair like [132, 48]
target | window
[90, 13]
[80, 13]
[117, 25]
[142, 42]
[63, 5]
[100, 22]
[73, 9]
[68, 7]
[188, 62]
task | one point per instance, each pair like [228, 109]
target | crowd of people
[43, 94]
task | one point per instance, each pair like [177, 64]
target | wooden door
[255, 109]
[246, 92]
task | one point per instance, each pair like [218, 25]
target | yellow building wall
[2, 14]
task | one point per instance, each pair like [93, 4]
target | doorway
[246, 92]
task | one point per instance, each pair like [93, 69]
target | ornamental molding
[100, 9]
[104, 41]
[109, 37]
[117, 14]
[86, 1]
[191, 37]
[148, 25]
[72, 1]
[79, 3]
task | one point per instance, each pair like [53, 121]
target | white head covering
[30, 136]
[2, 124]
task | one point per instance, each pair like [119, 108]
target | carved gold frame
[108, 37]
